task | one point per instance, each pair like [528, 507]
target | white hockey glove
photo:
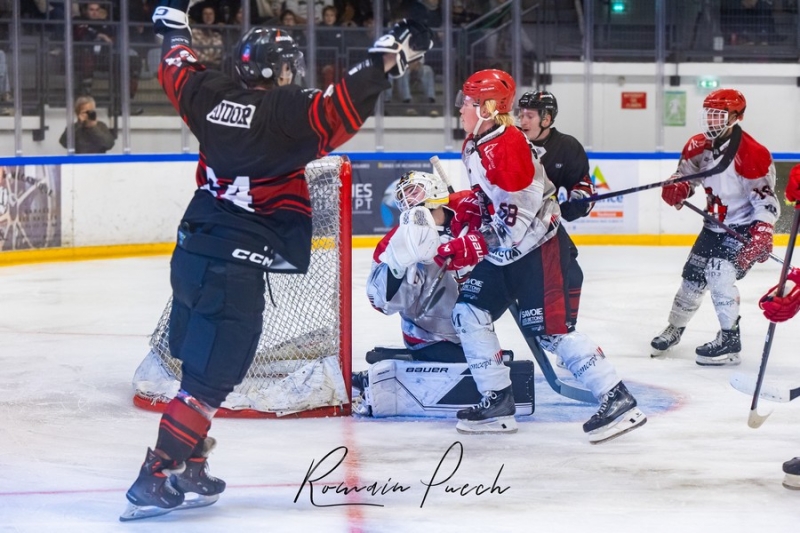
[409, 40]
[171, 15]
[415, 241]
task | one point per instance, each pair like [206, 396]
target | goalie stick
[568, 391]
[724, 162]
[738, 236]
[769, 391]
[432, 295]
[754, 420]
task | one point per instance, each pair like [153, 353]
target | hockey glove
[793, 185]
[415, 241]
[467, 208]
[676, 193]
[408, 40]
[757, 248]
[781, 308]
[465, 251]
[571, 209]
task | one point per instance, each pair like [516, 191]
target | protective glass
[713, 122]
[462, 99]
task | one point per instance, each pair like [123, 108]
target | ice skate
[494, 414]
[196, 479]
[792, 470]
[359, 383]
[665, 340]
[617, 415]
[723, 350]
[153, 493]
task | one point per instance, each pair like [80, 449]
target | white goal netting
[302, 364]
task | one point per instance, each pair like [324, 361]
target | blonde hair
[82, 101]
[503, 119]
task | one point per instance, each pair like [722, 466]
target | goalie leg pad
[404, 388]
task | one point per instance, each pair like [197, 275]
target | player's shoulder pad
[695, 146]
[752, 160]
[508, 160]
[384, 242]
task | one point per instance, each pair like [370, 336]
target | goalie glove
[414, 241]
[781, 308]
[408, 40]
[572, 210]
[757, 248]
[465, 251]
[675, 194]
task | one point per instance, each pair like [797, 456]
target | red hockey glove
[465, 251]
[467, 208]
[675, 193]
[757, 248]
[793, 185]
[571, 209]
[781, 308]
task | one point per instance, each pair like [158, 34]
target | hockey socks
[183, 427]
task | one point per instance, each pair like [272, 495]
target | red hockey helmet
[715, 118]
[491, 84]
[729, 100]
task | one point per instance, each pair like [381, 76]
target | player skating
[740, 194]
[779, 308]
[256, 135]
[513, 225]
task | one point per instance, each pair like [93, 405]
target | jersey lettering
[232, 114]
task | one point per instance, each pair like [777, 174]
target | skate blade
[791, 482]
[731, 359]
[500, 424]
[655, 353]
[629, 421]
[139, 512]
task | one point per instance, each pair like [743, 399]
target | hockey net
[302, 364]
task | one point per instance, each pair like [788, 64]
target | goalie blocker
[427, 389]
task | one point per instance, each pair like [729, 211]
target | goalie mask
[262, 54]
[719, 107]
[420, 188]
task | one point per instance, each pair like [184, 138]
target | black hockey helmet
[262, 52]
[544, 101]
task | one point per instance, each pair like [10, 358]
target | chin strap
[481, 120]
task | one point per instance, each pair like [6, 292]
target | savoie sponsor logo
[232, 114]
[529, 317]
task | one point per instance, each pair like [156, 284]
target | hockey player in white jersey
[515, 228]
[740, 193]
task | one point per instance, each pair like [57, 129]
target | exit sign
[636, 100]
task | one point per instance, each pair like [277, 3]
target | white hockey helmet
[420, 188]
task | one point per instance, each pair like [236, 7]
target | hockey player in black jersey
[250, 214]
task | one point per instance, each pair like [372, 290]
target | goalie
[428, 376]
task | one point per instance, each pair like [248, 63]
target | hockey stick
[568, 391]
[771, 392]
[738, 236]
[754, 420]
[432, 296]
[726, 159]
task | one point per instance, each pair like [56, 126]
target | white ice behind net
[297, 366]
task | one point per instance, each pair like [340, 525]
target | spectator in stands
[329, 42]
[92, 136]
[416, 72]
[289, 20]
[5, 87]
[300, 9]
[100, 56]
[353, 13]
[206, 40]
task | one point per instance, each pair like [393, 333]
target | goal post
[303, 361]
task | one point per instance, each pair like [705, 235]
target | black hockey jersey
[254, 146]
[565, 163]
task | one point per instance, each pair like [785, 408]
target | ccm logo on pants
[253, 257]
